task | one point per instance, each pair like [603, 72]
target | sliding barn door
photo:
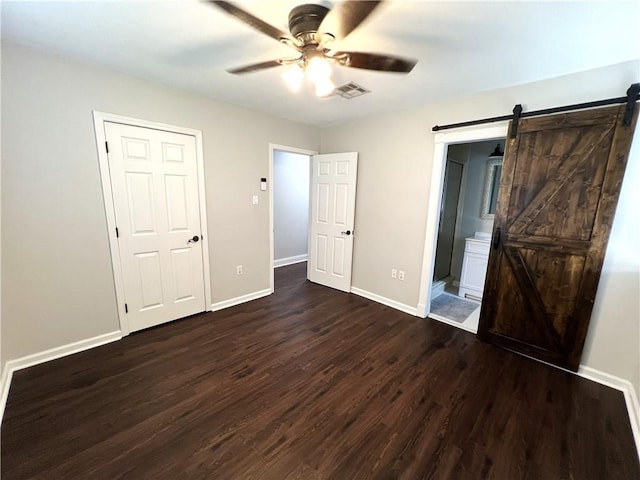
[560, 183]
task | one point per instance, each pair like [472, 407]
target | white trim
[7, 375]
[241, 299]
[627, 389]
[48, 355]
[461, 326]
[281, 262]
[442, 140]
[99, 118]
[385, 301]
[633, 409]
[617, 383]
[283, 148]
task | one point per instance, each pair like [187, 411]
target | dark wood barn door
[560, 183]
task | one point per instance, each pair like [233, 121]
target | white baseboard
[281, 262]
[437, 288]
[627, 389]
[232, 302]
[385, 301]
[46, 356]
[7, 375]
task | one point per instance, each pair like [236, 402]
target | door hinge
[117, 233]
[106, 145]
[126, 308]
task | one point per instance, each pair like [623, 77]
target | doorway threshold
[470, 324]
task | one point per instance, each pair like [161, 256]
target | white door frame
[99, 118]
[442, 141]
[272, 148]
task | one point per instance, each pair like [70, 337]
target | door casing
[99, 118]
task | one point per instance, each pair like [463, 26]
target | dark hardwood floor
[310, 383]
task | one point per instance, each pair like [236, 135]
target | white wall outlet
[254, 200]
[400, 274]
[394, 273]
[239, 270]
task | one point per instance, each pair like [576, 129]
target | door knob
[195, 239]
[348, 232]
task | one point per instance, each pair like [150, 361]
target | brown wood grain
[310, 383]
[560, 186]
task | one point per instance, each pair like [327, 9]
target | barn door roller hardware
[632, 97]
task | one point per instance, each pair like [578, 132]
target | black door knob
[348, 232]
[195, 239]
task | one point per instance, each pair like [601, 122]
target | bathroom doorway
[467, 206]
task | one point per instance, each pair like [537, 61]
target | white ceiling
[461, 47]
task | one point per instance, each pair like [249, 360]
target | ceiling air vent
[350, 90]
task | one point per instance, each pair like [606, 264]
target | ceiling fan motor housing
[306, 19]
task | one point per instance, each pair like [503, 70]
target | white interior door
[154, 182]
[333, 201]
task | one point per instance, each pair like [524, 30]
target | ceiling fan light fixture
[324, 87]
[318, 69]
[293, 77]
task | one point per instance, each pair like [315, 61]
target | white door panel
[154, 181]
[333, 187]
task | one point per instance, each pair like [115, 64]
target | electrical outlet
[394, 273]
[239, 270]
[401, 275]
[255, 200]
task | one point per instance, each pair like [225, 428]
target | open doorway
[470, 191]
[459, 224]
[290, 181]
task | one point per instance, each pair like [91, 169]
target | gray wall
[395, 158]
[290, 204]
[57, 282]
[470, 220]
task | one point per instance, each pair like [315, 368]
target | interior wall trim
[241, 299]
[281, 262]
[627, 389]
[47, 355]
[385, 301]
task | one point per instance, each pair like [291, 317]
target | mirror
[491, 187]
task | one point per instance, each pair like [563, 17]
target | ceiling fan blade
[249, 19]
[255, 66]
[377, 61]
[345, 17]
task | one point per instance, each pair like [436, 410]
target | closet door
[560, 183]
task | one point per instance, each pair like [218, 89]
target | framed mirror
[491, 187]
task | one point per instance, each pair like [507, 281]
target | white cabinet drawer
[477, 246]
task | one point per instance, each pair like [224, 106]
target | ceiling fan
[313, 30]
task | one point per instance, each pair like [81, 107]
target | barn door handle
[195, 239]
[496, 238]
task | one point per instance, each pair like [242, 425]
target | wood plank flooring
[310, 383]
